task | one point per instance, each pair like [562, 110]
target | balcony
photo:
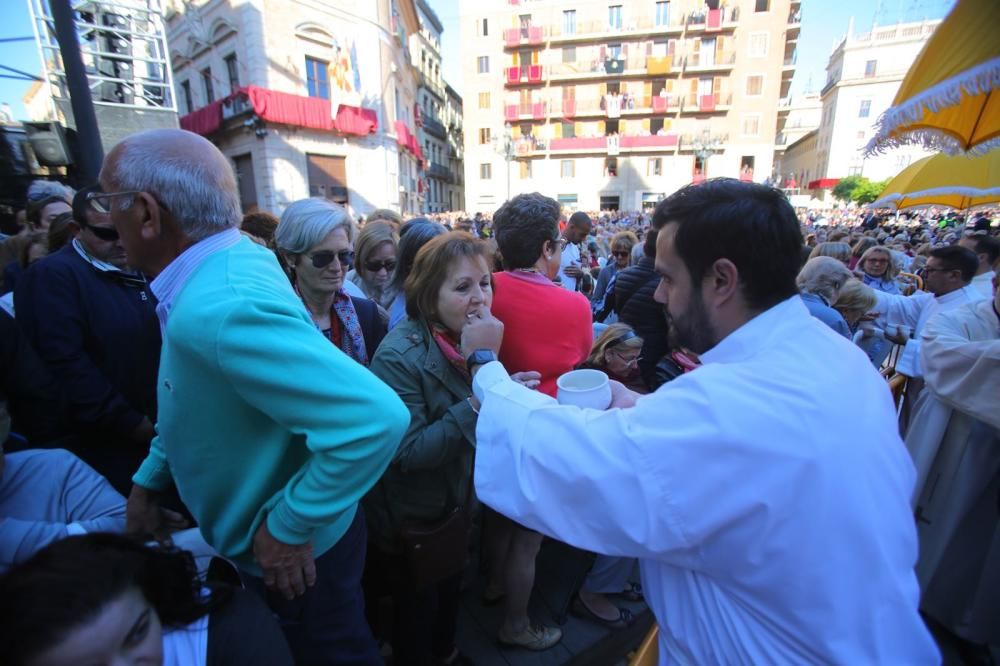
[659, 65]
[532, 111]
[640, 26]
[434, 127]
[626, 143]
[709, 62]
[597, 69]
[515, 37]
[713, 20]
[531, 74]
[440, 172]
[706, 103]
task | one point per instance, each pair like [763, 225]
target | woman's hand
[482, 331]
[530, 379]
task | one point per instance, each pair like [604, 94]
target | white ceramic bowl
[584, 388]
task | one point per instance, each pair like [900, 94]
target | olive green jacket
[431, 472]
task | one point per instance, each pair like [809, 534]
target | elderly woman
[375, 262]
[858, 250]
[431, 475]
[548, 329]
[621, 252]
[820, 282]
[315, 241]
[616, 352]
[879, 269]
[837, 249]
[412, 236]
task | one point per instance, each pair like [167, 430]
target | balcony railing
[709, 60]
[440, 172]
[525, 35]
[589, 29]
[433, 126]
[535, 110]
[524, 74]
[624, 142]
[706, 103]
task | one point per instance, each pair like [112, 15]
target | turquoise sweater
[260, 416]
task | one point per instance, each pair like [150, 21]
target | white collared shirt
[765, 493]
[983, 283]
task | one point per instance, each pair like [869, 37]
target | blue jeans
[327, 624]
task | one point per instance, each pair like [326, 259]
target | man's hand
[529, 379]
[144, 432]
[287, 569]
[145, 516]
[573, 271]
[621, 396]
[482, 331]
[897, 338]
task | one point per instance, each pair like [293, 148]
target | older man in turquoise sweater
[270, 433]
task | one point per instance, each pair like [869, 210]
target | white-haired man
[263, 425]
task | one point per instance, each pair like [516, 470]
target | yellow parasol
[949, 100]
[944, 180]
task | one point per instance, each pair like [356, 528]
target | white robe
[983, 283]
[955, 440]
[766, 495]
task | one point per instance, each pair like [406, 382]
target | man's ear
[150, 217]
[724, 282]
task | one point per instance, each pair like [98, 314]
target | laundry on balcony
[613, 105]
[714, 20]
[659, 65]
[614, 65]
[660, 103]
[513, 75]
[706, 102]
[534, 73]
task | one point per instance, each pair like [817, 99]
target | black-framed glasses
[324, 258]
[107, 234]
[376, 266]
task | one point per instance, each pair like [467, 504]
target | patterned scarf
[352, 340]
[450, 349]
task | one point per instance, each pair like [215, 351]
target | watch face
[481, 357]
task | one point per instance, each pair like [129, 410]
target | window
[484, 64]
[751, 125]
[484, 136]
[188, 100]
[233, 71]
[568, 130]
[865, 108]
[853, 171]
[569, 22]
[317, 78]
[860, 136]
[525, 169]
[486, 27]
[484, 100]
[611, 167]
[615, 17]
[566, 200]
[762, 5]
[206, 79]
[654, 166]
[485, 171]
[655, 125]
[755, 85]
[615, 51]
[870, 67]
[662, 13]
[758, 44]
[569, 54]
[567, 169]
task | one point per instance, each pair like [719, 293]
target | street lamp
[705, 146]
[504, 145]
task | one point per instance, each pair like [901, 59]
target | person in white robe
[987, 249]
[955, 440]
[765, 494]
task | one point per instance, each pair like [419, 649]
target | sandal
[624, 619]
[631, 593]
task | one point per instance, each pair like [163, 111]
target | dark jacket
[372, 326]
[100, 339]
[431, 472]
[634, 303]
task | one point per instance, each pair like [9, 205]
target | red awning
[355, 120]
[205, 120]
[402, 133]
[822, 184]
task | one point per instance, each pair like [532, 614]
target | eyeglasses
[620, 253]
[107, 234]
[376, 266]
[326, 257]
[629, 362]
[101, 201]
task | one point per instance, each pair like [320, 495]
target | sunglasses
[621, 253]
[106, 234]
[326, 257]
[376, 266]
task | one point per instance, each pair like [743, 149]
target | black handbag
[433, 552]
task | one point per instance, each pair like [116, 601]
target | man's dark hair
[81, 206]
[580, 219]
[749, 224]
[957, 258]
[987, 245]
[522, 226]
[649, 245]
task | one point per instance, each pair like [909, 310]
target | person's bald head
[187, 176]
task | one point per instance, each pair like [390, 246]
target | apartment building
[864, 73]
[456, 148]
[306, 97]
[615, 104]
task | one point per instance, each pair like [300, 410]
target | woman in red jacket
[546, 329]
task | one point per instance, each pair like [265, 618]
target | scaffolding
[124, 49]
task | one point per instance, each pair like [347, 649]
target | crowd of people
[256, 439]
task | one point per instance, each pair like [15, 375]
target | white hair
[823, 276]
[306, 222]
[202, 199]
[43, 189]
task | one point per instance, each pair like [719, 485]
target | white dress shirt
[983, 283]
[570, 256]
[765, 493]
[914, 311]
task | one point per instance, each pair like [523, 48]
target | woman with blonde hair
[375, 262]
[837, 249]
[879, 268]
[616, 352]
[854, 301]
[858, 249]
[621, 253]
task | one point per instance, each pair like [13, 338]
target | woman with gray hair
[820, 282]
[879, 268]
[315, 240]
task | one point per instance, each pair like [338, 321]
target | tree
[858, 189]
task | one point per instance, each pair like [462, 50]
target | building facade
[432, 101]
[306, 97]
[863, 75]
[456, 148]
[613, 105]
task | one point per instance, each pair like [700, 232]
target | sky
[824, 22]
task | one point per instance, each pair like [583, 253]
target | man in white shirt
[576, 231]
[766, 493]
[987, 249]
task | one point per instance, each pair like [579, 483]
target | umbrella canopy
[949, 100]
[944, 180]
